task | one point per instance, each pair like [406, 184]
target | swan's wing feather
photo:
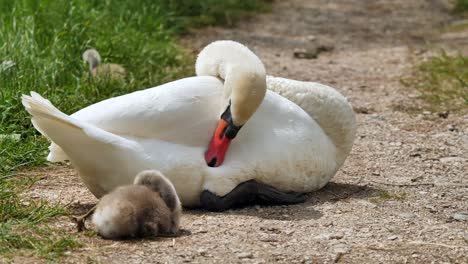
[184, 111]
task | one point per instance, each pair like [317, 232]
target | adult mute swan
[289, 139]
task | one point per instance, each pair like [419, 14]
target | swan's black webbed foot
[246, 193]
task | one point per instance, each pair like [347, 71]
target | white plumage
[295, 141]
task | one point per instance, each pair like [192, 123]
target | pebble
[330, 236]
[367, 203]
[311, 38]
[244, 255]
[407, 215]
[306, 261]
[202, 251]
[431, 209]
[451, 159]
[268, 239]
[463, 216]
[392, 237]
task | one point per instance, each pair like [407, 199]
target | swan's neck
[326, 106]
[242, 72]
[93, 62]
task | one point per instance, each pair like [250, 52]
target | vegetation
[385, 195]
[21, 222]
[461, 5]
[443, 82]
[41, 43]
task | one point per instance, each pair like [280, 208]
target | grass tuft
[442, 82]
[461, 6]
[23, 224]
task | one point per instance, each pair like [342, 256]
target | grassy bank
[41, 43]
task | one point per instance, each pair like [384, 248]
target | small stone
[245, 255]
[432, 209]
[451, 128]
[305, 54]
[426, 113]
[202, 251]
[367, 203]
[444, 114]
[268, 239]
[392, 237]
[327, 236]
[463, 216]
[451, 159]
[306, 259]
[311, 38]
[407, 215]
[337, 257]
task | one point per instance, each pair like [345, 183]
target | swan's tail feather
[41, 108]
[70, 136]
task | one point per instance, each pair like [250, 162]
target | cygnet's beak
[225, 132]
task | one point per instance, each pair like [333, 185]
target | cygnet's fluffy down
[149, 207]
[108, 70]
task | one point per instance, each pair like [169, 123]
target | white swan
[297, 135]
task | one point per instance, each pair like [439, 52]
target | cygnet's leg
[80, 220]
[246, 193]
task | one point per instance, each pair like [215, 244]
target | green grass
[461, 6]
[45, 40]
[23, 223]
[442, 82]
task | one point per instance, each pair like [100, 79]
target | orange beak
[219, 144]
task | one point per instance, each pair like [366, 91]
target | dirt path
[405, 180]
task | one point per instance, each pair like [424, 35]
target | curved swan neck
[243, 74]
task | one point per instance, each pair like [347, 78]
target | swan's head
[244, 89]
[247, 93]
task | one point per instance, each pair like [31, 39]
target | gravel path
[402, 195]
